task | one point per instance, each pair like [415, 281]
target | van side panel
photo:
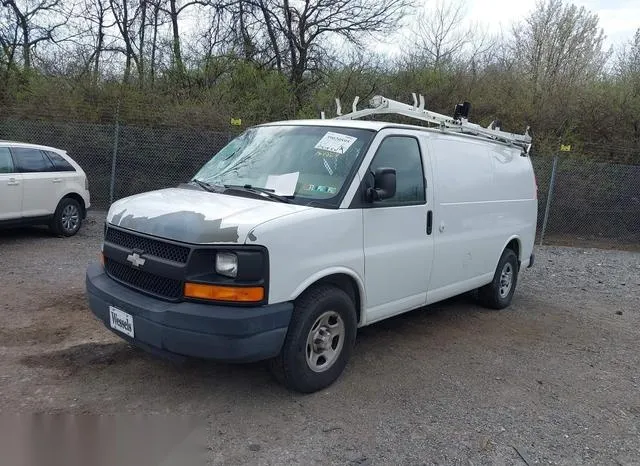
[514, 186]
[484, 196]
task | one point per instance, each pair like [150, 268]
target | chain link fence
[584, 201]
[121, 160]
[587, 202]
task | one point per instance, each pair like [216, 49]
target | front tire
[319, 341]
[499, 293]
[67, 218]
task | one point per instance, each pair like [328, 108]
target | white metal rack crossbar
[380, 105]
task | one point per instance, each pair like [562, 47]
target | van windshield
[307, 162]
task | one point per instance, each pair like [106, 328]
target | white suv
[41, 185]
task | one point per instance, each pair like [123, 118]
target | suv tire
[67, 218]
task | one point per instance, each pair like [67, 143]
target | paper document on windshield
[284, 185]
[335, 143]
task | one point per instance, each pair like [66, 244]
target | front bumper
[225, 333]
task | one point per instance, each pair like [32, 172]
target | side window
[403, 154]
[31, 160]
[6, 163]
[60, 164]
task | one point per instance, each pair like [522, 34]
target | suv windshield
[308, 162]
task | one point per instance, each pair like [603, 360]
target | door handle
[57, 180]
[13, 182]
[429, 222]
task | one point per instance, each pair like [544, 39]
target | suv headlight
[227, 264]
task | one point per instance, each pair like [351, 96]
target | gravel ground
[554, 379]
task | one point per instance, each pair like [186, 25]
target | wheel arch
[77, 197]
[345, 279]
[515, 244]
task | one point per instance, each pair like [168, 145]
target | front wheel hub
[325, 341]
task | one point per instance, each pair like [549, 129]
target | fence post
[115, 155]
[549, 196]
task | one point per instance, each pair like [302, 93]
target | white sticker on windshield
[335, 143]
[285, 185]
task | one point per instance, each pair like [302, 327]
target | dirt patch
[623, 244]
[47, 320]
[67, 303]
[39, 334]
[87, 356]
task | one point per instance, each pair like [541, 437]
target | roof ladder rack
[458, 123]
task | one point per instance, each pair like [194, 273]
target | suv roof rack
[459, 123]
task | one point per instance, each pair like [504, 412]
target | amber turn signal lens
[102, 258]
[223, 293]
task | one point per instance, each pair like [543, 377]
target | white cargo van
[299, 232]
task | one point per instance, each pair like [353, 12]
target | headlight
[227, 264]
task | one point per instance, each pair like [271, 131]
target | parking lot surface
[554, 379]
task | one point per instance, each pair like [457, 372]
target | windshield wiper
[206, 186]
[259, 191]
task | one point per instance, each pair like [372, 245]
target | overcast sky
[619, 18]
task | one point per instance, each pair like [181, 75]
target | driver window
[403, 154]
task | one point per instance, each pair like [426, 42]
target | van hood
[194, 216]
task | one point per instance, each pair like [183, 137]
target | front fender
[315, 278]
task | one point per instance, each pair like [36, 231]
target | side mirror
[384, 184]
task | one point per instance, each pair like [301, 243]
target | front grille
[144, 281]
[152, 247]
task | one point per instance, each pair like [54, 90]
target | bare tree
[155, 21]
[126, 16]
[144, 4]
[152, 14]
[439, 34]
[255, 32]
[98, 21]
[559, 44]
[361, 73]
[306, 26]
[214, 36]
[9, 41]
[37, 22]
[628, 60]
[628, 73]
[248, 45]
[174, 8]
[271, 23]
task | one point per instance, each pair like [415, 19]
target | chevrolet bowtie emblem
[136, 260]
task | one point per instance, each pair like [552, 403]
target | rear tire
[319, 341]
[67, 218]
[499, 293]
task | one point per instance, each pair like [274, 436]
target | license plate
[121, 321]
